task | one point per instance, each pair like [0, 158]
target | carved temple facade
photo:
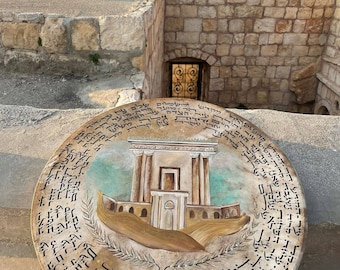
[171, 185]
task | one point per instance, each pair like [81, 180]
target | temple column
[136, 176]
[201, 181]
[147, 176]
[195, 178]
[206, 180]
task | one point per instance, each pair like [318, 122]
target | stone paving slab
[74, 8]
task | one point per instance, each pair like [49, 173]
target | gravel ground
[74, 8]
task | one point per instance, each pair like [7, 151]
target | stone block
[214, 72]
[299, 26]
[173, 24]
[225, 11]
[270, 71]
[172, 11]
[222, 25]
[275, 97]
[262, 61]
[236, 26]
[20, 35]
[315, 50]
[262, 97]
[304, 13]
[225, 71]
[225, 39]
[189, 11]
[282, 3]
[305, 90]
[53, 35]
[295, 39]
[208, 38]
[233, 84]
[256, 71]
[228, 60]
[251, 39]
[252, 50]
[6, 16]
[239, 71]
[192, 25]
[275, 38]
[274, 12]
[211, 49]
[211, 60]
[276, 61]
[216, 84]
[84, 35]
[269, 50]
[283, 26]
[34, 17]
[264, 25]
[207, 12]
[222, 50]
[268, 3]
[117, 34]
[236, 1]
[318, 13]
[314, 26]
[225, 97]
[291, 13]
[237, 50]
[307, 3]
[282, 72]
[209, 25]
[238, 38]
[248, 11]
[300, 50]
[188, 37]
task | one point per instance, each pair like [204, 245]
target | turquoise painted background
[112, 170]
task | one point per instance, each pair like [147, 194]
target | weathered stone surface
[53, 35]
[85, 35]
[20, 35]
[117, 33]
[304, 83]
[264, 25]
[115, 97]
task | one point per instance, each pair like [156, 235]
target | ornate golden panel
[185, 80]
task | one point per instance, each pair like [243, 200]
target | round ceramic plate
[168, 184]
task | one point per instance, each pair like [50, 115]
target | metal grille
[185, 80]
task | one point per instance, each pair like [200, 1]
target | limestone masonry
[256, 53]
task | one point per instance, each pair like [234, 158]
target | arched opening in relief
[187, 78]
[192, 214]
[144, 213]
[120, 209]
[323, 110]
[216, 215]
[205, 215]
[131, 210]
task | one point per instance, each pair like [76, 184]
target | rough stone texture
[53, 35]
[304, 83]
[20, 36]
[117, 33]
[85, 35]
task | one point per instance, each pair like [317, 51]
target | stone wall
[328, 94]
[124, 44]
[153, 56]
[252, 47]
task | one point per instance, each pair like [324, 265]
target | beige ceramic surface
[186, 184]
